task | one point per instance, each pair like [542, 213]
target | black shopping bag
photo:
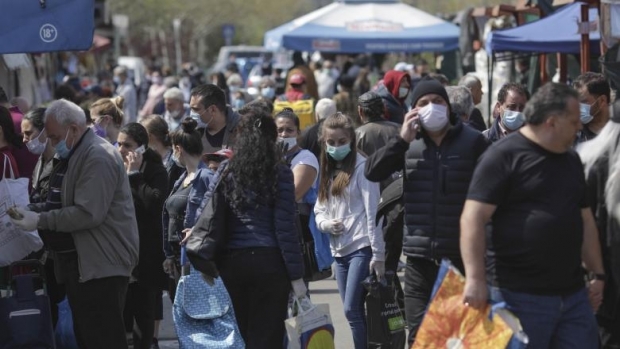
[386, 326]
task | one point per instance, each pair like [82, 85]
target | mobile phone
[140, 150]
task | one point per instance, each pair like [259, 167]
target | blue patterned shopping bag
[203, 314]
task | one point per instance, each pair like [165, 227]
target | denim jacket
[200, 184]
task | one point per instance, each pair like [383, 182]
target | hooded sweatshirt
[395, 109]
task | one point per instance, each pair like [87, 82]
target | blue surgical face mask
[338, 153]
[513, 120]
[117, 80]
[61, 148]
[198, 119]
[35, 146]
[268, 92]
[238, 103]
[584, 111]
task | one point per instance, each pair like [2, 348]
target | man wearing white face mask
[176, 110]
[438, 155]
[511, 101]
[594, 98]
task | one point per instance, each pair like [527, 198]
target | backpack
[303, 108]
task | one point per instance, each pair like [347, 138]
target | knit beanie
[429, 86]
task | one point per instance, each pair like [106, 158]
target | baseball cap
[220, 155]
[297, 79]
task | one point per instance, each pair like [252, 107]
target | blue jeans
[555, 322]
[351, 270]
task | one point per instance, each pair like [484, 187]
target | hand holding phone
[411, 125]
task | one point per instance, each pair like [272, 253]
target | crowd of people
[123, 189]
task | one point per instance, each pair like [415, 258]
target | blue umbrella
[357, 26]
[30, 26]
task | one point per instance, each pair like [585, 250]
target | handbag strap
[7, 161]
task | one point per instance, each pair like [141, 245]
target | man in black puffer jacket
[438, 155]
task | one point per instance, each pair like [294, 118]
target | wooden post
[603, 46]
[585, 39]
[544, 77]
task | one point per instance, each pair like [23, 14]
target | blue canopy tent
[358, 26]
[557, 33]
[31, 26]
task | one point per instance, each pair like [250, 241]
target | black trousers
[610, 333]
[96, 305]
[257, 282]
[140, 313]
[420, 277]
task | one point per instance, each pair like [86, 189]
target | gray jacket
[97, 209]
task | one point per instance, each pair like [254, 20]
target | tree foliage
[452, 6]
[202, 19]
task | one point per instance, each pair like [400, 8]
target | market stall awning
[46, 26]
[352, 26]
[557, 33]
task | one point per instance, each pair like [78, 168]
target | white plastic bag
[15, 244]
[311, 328]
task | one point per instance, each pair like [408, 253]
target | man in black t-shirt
[218, 120]
[531, 186]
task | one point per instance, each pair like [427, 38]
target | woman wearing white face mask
[303, 163]
[36, 141]
[305, 167]
[511, 101]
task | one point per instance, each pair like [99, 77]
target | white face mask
[433, 117]
[403, 92]
[291, 142]
[174, 114]
[35, 146]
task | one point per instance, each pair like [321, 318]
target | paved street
[325, 291]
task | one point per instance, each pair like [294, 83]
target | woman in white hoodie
[346, 209]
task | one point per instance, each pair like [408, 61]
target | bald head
[474, 85]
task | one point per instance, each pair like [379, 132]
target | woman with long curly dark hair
[263, 256]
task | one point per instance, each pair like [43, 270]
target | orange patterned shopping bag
[449, 324]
